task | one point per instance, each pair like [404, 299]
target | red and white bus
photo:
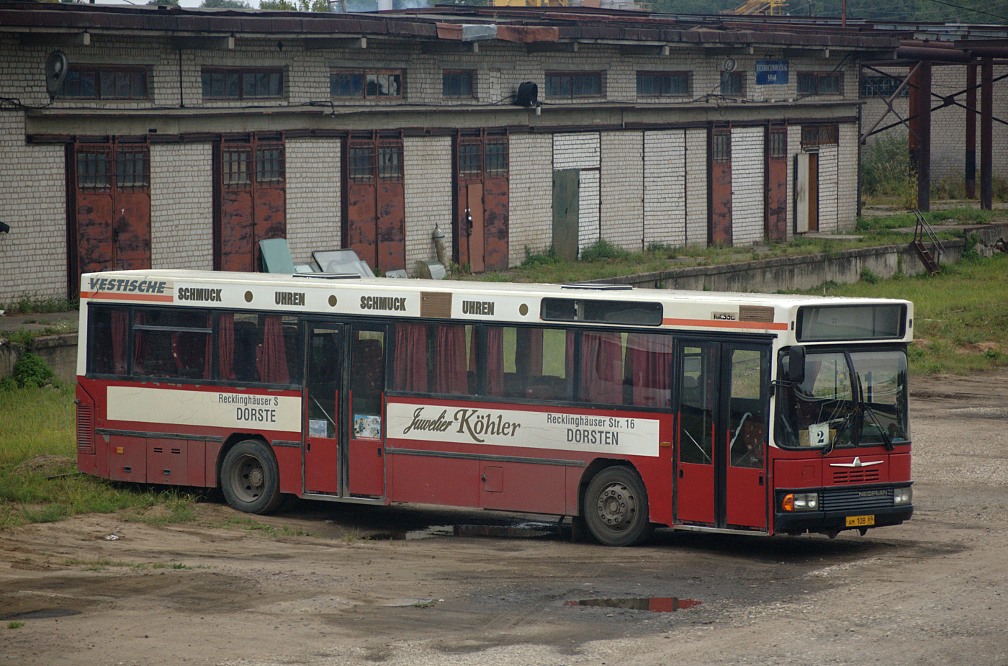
[621, 408]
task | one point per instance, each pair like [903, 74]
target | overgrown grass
[960, 316]
[39, 481]
[886, 172]
[31, 304]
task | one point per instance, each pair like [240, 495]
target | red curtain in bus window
[225, 346]
[271, 355]
[411, 357]
[139, 342]
[493, 359]
[450, 371]
[649, 369]
[601, 368]
[119, 341]
[529, 361]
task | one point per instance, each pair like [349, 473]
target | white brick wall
[530, 200]
[828, 202]
[696, 187]
[32, 187]
[313, 196]
[182, 205]
[847, 177]
[665, 205]
[622, 184]
[428, 186]
[747, 185]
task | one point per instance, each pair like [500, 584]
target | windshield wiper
[882, 433]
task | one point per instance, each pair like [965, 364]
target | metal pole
[986, 133]
[971, 81]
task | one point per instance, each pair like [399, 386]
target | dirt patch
[323, 584]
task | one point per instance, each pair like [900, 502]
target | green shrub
[603, 250]
[886, 172]
[31, 371]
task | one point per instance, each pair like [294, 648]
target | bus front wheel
[250, 478]
[615, 507]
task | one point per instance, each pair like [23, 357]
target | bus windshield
[848, 398]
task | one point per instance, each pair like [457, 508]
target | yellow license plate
[860, 521]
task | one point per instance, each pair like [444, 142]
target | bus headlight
[800, 502]
[902, 495]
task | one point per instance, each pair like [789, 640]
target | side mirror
[796, 364]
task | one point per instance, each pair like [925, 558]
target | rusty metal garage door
[374, 215]
[481, 228]
[110, 191]
[250, 199]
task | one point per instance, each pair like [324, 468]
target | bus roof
[498, 302]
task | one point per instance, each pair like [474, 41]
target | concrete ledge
[58, 351]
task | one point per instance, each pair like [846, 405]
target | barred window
[469, 158]
[820, 135]
[496, 158]
[360, 163]
[663, 84]
[778, 142]
[390, 162]
[572, 85]
[269, 164]
[458, 83]
[235, 167]
[820, 83]
[132, 168]
[882, 86]
[366, 84]
[733, 84]
[105, 82]
[237, 84]
[93, 170]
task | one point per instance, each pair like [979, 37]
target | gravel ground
[335, 585]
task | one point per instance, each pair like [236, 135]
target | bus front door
[720, 465]
[321, 400]
[365, 436]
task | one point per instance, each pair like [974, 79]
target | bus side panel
[656, 473]
[92, 452]
[433, 480]
[515, 486]
[289, 462]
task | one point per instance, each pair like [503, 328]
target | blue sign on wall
[771, 72]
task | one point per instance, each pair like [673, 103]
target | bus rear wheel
[615, 507]
[250, 478]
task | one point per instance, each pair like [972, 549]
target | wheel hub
[616, 505]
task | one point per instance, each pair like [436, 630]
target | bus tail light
[800, 502]
[902, 495]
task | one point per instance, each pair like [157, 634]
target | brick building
[181, 137]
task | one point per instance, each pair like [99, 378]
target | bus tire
[250, 477]
[615, 507]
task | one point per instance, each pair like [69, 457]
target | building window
[360, 163]
[820, 83]
[100, 82]
[458, 83]
[132, 168]
[882, 86]
[235, 165]
[820, 135]
[733, 84]
[266, 83]
[269, 164]
[497, 158]
[721, 146]
[390, 164]
[93, 170]
[663, 84]
[469, 158]
[366, 84]
[778, 142]
[573, 85]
